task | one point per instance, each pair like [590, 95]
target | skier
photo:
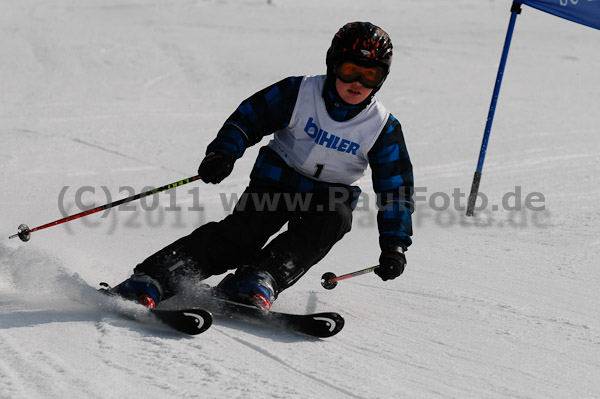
[327, 130]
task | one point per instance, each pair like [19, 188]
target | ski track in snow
[335, 390]
[116, 93]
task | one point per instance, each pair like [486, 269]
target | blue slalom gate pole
[515, 10]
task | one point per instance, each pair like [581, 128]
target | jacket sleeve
[393, 183]
[259, 115]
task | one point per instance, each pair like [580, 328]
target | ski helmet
[360, 42]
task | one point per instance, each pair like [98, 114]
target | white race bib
[323, 149]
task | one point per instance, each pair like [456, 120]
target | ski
[321, 325]
[192, 321]
[188, 321]
[196, 320]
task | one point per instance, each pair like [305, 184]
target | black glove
[391, 263]
[215, 167]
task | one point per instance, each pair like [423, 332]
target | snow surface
[117, 95]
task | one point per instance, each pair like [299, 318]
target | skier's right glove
[391, 263]
[215, 167]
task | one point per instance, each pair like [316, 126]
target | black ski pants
[316, 221]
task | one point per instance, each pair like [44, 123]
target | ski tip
[188, 321]
[329, 324]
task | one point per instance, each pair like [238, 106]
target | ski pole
[515, 10]
[329, 280]
[24, 232]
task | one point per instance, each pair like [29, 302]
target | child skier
[327, 130]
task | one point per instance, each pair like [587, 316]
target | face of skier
[352, 93]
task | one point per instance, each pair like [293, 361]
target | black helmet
[362, 42]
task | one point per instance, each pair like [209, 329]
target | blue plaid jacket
[271, 109]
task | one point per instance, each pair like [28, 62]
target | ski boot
[139, 287]
[249, 286]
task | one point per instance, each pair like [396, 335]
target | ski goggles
[369, 76]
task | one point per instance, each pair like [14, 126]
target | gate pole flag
[585, 12]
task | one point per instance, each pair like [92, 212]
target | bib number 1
[319, 170]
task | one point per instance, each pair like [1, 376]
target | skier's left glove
[215, 167]
[391, 263]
